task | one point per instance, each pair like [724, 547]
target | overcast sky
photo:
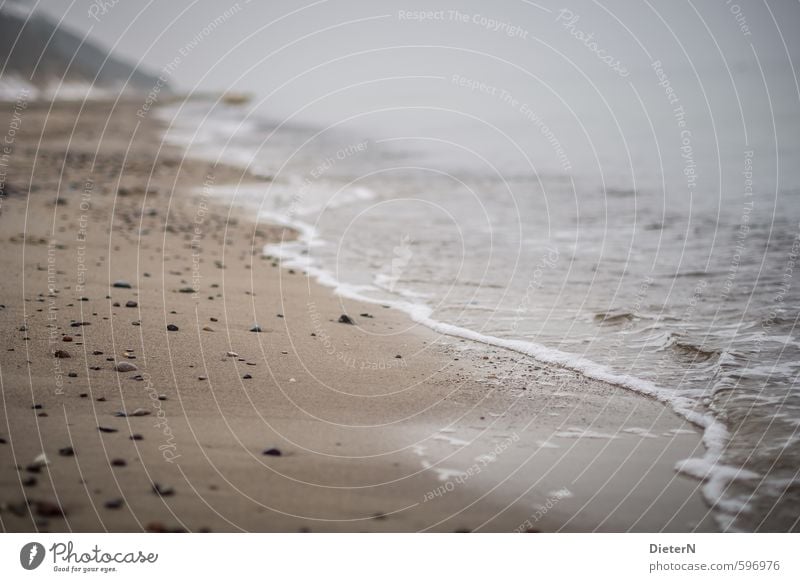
[328, 60]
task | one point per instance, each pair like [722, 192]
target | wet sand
[310, 424]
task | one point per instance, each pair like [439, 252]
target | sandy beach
[137, 397]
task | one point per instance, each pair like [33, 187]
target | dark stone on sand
[48, 509]
[366, 315]
[186, 290]
[214, 319]
[114, 503]
[137, 412]
[247, 377]
[121, 284]
[273, 452]
[3, 441]
[66, 452]
[256, 328]
[131, 304]
[119, 463]
[172, 327]
[125, 367]
[106, 429]
[30, 481]
[136, 437]
[61, 354]
[162, 490]
[73, 375]
[101, 399]
[97, 353]
[399, 357]
[66, 338]
[37, 406]
[346, 319]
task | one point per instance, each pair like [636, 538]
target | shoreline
[366, 439]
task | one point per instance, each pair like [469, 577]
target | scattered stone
[67, 452]
[29, 481]
[48, 509]
[208, 328]
[256, 328]
[61, 354]
[247, 377]
[163, 491]
[114, 503]
[186, 290]
[346, 319]
[131, 303]
[366, 315]
[97, 353]
[126, 367]
[37, 406]
[137, 412]
[119, 463]
[72, 375]
[213, 319]
[121, 284]
[106, 429]
[172, 327]
[399, 357]
[273, 452]
[232, 355]
[40, 461]
[101, 399]
[66, 338]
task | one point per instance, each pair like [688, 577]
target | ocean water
[655, 246]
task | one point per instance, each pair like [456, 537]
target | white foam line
[709, 468]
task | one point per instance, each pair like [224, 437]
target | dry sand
[380, 426]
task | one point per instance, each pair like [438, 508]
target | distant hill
[35, 51]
